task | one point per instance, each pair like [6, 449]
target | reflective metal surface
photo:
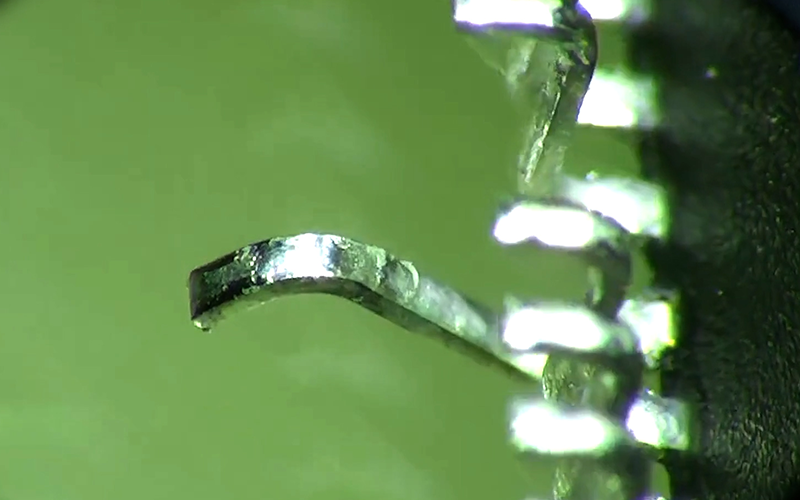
[366, 275]
[546, 51]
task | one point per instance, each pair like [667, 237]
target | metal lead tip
[599, 240]
[637, 206]
[630, 11]
[566, 328]
[616, 99]
[547, 428]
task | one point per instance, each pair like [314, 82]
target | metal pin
[600, 241]
[546, 51]
[548, 428]
[638, 206]
[575, 434]
[629, 11]
[654, 323]
[567, 329]
[618, 99]
[366, 275]
[661, 423]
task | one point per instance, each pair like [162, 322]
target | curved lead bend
[361, 273]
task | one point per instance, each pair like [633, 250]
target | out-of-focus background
[141, 139]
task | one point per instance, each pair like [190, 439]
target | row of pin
[599, 219]
[640, 328]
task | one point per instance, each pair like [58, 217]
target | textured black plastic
[789, 10]
[729, 149]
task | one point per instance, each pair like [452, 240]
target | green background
[141, 139]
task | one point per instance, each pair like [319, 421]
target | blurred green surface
[141, 139]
